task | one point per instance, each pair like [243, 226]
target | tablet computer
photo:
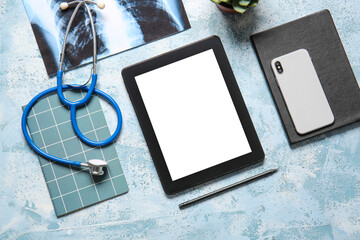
[192, 115]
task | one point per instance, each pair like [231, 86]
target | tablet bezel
[170, 187]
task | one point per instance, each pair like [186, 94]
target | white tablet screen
[192, 114]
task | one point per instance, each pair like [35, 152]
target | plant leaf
[216, 1]
[237, 7]
[253, 3]
[244, 3]
[226, 1]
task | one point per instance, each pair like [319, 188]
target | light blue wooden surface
[315, 195]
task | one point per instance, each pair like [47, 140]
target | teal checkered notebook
[73, 188]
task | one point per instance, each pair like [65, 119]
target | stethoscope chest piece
[95, 166]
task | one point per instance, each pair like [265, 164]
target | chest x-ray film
[193, 115]
[120, 26]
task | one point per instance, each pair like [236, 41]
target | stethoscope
[95, 165]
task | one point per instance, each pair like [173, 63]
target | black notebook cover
[318, 35]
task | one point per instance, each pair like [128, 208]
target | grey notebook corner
[72, 188]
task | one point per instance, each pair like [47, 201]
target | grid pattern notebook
[73, 188]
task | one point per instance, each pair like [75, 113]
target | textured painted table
[315, 195]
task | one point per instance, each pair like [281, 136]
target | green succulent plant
[238, 5]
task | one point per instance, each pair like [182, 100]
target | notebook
[72, 188]
[318, 35]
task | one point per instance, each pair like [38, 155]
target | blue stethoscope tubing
[97, 165]
[72, 105]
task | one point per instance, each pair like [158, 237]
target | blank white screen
[192, 114]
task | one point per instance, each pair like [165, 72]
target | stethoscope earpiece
[101, 5]
[66, 5]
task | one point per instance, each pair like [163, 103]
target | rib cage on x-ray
[120, 26]
[79, 41]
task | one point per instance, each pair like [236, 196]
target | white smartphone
[302, 91]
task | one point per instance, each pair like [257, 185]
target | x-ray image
[121, 25]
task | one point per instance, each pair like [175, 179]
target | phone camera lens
[279, 67]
